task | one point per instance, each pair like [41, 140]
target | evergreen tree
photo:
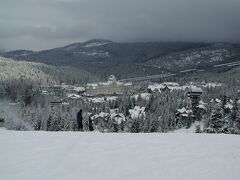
[217, 122]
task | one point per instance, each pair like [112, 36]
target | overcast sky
[43, 24]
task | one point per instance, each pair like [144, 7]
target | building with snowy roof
[137, 112]
[165, 87]
[118, 118]
[194, 91]
[111, 87]
[182, 117]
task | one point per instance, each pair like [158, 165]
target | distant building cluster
[171, 86]
[96, 92]
[118, 119]
[111, 87]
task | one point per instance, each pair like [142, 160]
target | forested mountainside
[39, 73]
[199, 58]
[103, 57]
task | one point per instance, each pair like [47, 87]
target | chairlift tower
[194, 95]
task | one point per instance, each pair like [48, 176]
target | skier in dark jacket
[90, 123]
[79, 120]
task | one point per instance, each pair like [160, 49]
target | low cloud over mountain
[43, 24]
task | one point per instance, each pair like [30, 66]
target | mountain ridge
[105, 57]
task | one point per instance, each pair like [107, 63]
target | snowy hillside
[91, 44]
[214, 54]
[40, 73]
[90, 156]
[10, 69]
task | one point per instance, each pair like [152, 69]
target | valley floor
[78, 155]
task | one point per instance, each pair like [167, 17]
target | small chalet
[194, 92]
[166, 89]
[137, 112]
[182, 116]
[118, 117]
[97, 118]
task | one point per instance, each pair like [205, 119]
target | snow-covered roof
[175, 86]
[229, 106]
[111, 98]
[170, 84]
[128, 84]
[145, 96]
[96, 100]
[107, 83]
[201, 106]
[119, 117]
[156, 87]
[185, 115]
[45, 92]
[196, 89]
[102, 99]
[101, 115]
[92, 84]
[73, 96]
[119, 83]
[212, 85]
[79, 88]
[65, 103]
[182, 110]
[137, 112]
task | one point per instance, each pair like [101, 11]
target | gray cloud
[42, 24]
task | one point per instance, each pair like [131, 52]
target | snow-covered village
[115, 106]
[119, 90]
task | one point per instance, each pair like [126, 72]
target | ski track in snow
[78, 155]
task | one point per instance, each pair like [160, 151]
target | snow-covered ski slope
[88, 156]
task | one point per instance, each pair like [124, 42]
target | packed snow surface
[79, 155]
